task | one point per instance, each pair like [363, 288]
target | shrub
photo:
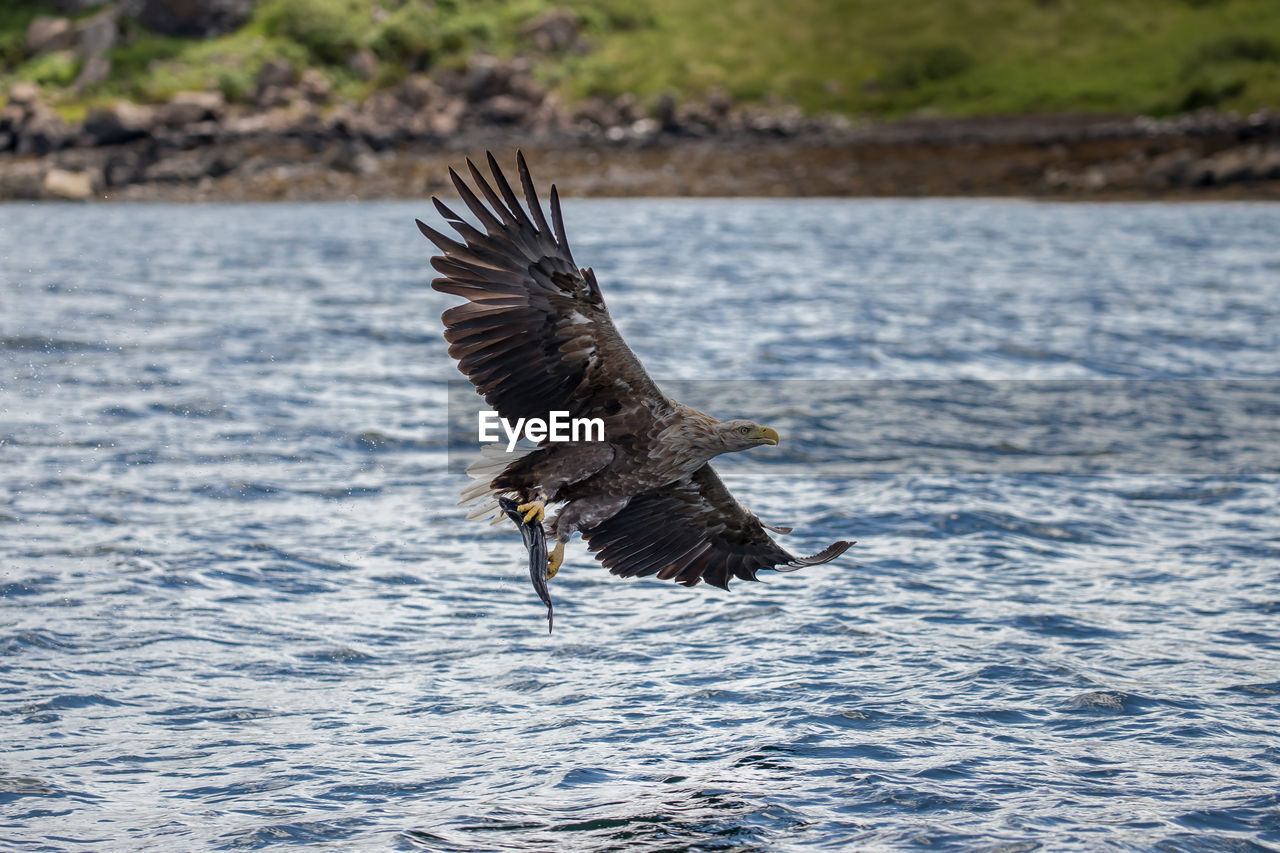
[410, 32]
[928, 63]
[51, 69]
[1235, 47]
[329, 29]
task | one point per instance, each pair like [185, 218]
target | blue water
[240, 608]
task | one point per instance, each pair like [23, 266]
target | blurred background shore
[336, 99]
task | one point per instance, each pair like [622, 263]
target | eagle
[534, 337]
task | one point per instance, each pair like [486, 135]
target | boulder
[315, 87]
[504, 109]
[277, 72]
[12, 117]
[418, 91]
[95, 69]
[125, 167]
[24, 94]
[187, 167]
[719, 102]
[554, 31]
[48, 34]
[1233, 166]
[189, 108]
[1268, 167]
[353, 157]
[118, 124]
[664, 111]
[198, 18]
[41, 132]
[595, 113]
[363, 63]
[627, 108]
[98, 34]
[69, 186]
[273, 97]
[21, 179]
[484, 78]
[75, 7]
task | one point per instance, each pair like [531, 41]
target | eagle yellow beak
[764, 435]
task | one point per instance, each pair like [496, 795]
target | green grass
[860, 57]
[951, 57]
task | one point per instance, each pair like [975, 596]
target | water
[240, 608]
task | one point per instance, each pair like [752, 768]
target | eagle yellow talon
[554, 559]
[534, 510]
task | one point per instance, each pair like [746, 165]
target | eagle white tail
[492, 461]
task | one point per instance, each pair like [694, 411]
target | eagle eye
[744, 429]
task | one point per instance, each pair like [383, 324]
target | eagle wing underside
[690, 531]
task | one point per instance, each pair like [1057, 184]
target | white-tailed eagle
[534, 337]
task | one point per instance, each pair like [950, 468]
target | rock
[627, 108]
[503, 109]
[277, 72]
[645, 128]
[665, 112]
[695, 119]
[21, 180]
[445, 120]
[24, 94]
[272, 97]
[595, 113]
[1232, 166]
[69, 186]
[41, 132]
[12, 117]
[354, 157]
[190, 107]
[198, 18]
[187, 167]
[124, 168]
[523, 86]
[418, 92]
[95, 69]
[97, 35]
[1169, 169]
[719, 102]
[553, 31]
[486, 77]
[75, 7]
[48, 34]
[315, 87]
[363, 63]
[1268, 167]
[118, 124]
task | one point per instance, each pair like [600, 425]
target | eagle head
[741, 434]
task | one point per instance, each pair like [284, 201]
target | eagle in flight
[534, 337]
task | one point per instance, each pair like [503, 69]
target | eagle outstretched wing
[693, 530]
[534, 335]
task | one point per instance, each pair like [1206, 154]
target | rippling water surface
[240, 608]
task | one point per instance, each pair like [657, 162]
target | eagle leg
[535, 510]
[554, 559]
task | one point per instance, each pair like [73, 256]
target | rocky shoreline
[291, 141]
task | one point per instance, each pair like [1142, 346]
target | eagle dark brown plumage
[534, 336]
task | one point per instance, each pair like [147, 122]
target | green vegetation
[861, 57]
[952, 57]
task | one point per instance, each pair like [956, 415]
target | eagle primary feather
[534, 336]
